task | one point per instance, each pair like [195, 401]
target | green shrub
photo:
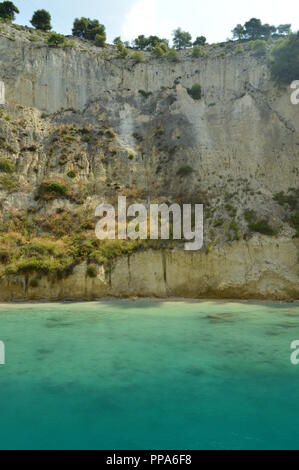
[234, 229]
[231, 210]
[9, 183]
[195, 92]
[280, 198]
[56, 40]
[173, 55]
[259, 47]
[158, 51]
[123, 52]
[250, 216]
[52, 190]
[34, 38]
[285, 60]
[6, 166]
[92, 271]
[185, 170]
[291, 198]
[259, 226]
[100, 40]
[57, 267]
[138, 57]
[263, 227]
[239, 49]
[295, 223]
[198, 51]
[72, 174]
[218, 223]
[131, 155]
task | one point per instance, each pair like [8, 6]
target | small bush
[198, 51]
[262, 226]
[250, 216]
[259, 226]
[239, 49]
[34, 38]
[295, 223]
[100, 40]
[138, 57]
[56, 40]
[72, 174]
[6, 166]
[123, 52]
[131, 155]
[218, 223]
[231, 210]
[234, 232]
[195, 92]
[185, 170]
[9, 183]
[92, 271]
[259, 47]
[52, 190]
[57, 267]
[291, 198]
[173, 55]
[157, 51]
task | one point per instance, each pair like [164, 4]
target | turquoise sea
[149, 375]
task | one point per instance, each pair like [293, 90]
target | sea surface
[149, 375]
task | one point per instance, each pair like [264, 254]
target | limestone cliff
[100, 126]
[260, 268]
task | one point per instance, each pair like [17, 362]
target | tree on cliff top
[181, 39]
[285, 60]
[255, 29]
[8, 11]
[89, 29]
[200, 41]
[41, 20]
[239, 32]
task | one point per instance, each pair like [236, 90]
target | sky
[128, 18]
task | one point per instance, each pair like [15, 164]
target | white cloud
[144, 17]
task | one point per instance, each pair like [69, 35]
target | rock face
[106, 126]
[258, 269]
[244, 127]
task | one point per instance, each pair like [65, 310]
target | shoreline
[153, 300]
